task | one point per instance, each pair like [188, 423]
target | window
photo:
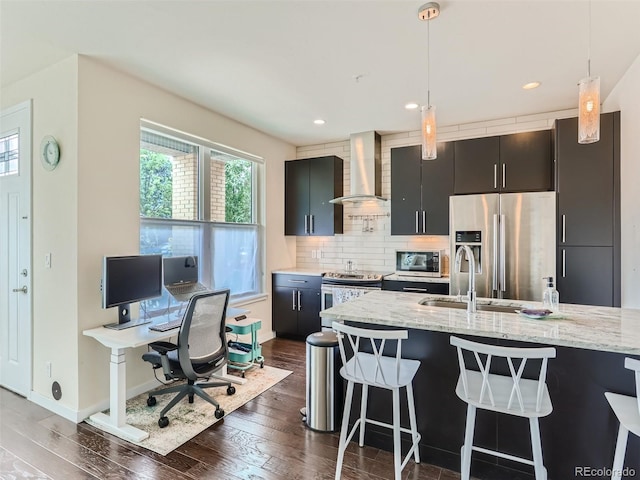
[9, 154]
[198, 198]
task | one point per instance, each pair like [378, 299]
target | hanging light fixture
[589, 101]
[427, 12]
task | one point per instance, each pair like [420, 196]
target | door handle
[311, 224]
[495, 250]
[504, 175]
[564, 263]
[306, 224]
[298, 300]
[411, 289]
[298, 281]
[416, 221]
[495, 175]
[23, 289]
[564, 228]
[503, 254]
[424, 222]
[293, 306]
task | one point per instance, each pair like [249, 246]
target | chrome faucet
[471, 293]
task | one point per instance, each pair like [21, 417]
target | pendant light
[589, 101]
[428, 12]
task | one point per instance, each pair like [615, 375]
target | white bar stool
[375, 369]
[512, 395]
[627, 409]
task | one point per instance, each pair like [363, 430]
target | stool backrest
[516, 358]
[359, 338]
[633, 364]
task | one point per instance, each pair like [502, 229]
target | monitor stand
[124, 319]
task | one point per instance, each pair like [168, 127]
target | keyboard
[163, 327]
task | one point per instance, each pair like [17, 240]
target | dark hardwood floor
[264, 439]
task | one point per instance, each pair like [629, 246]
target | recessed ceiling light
[531, 85]
[319, 121]
[411, 106]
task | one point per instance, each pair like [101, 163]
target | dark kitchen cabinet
[439, 288]
[588, 213]
[295, 305]
[420, 191]
[309, 186]
[585, 275]
[520, 162]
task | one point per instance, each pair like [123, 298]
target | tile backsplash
[367, 240]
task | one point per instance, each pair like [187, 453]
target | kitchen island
[591, 344]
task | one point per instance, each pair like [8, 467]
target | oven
[341, 287]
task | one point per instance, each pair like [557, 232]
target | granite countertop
[301, 271]
[417, 278]
[581, 326]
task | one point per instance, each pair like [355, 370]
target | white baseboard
[78, 416]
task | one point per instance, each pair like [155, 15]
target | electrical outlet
[47, 260]
[47, 366]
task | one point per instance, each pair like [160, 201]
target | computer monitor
[130, 279]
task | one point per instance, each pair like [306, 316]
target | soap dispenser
[551, 298]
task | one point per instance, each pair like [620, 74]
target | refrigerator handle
[495, 175]
[503, 254]
[416, 221]
[495, 251]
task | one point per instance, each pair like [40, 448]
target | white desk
[118, 341]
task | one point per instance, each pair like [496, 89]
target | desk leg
[116, 422]
[228, 378]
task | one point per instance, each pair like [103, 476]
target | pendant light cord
[428, 65]
[589, 44]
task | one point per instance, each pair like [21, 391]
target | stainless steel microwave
[419, 264]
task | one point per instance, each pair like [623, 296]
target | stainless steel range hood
[366, 169]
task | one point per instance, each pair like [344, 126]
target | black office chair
[200, 352]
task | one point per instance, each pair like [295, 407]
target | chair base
[189, 389]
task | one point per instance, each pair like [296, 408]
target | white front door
[15, 248]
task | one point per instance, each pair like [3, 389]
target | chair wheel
[219, 413]
[151, 401]
[231, 390]
[242, 374]
[163, 422]
[261, 364]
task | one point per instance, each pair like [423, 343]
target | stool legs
[536, 446]
[397, 457]
[363, 413]
[342, 446]
[621, 449]
[413, 423]
[465, 469]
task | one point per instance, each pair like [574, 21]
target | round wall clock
[49, 152]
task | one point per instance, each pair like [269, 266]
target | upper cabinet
[309, 186]
[420, 191]
[521, 162]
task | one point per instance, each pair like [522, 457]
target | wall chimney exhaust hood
[366, 169]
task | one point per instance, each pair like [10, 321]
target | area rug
[189, 419]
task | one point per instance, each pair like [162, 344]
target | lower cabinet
[439, 288]
[295, 305]
[585, 275]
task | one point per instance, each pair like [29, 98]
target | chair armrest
[163, 347]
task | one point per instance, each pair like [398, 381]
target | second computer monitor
[180, 270]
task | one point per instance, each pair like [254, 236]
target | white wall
[89, 207]
[626, 98]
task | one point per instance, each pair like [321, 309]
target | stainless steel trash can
[324, 384]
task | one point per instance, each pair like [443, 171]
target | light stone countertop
[301, 271]
[581, 326]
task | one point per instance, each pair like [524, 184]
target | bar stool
[627, 409]
[512, 395]
[375, 369]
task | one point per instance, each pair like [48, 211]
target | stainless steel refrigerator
[513, 238]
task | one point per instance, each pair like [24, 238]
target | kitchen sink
[463, 306]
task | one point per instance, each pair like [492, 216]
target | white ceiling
[277, 65]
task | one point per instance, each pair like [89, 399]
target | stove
[355, 277]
